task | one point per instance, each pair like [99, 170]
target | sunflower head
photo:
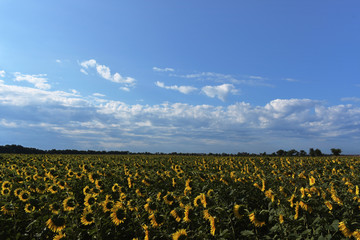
[56, 223]
[87, 218]
[118, 215]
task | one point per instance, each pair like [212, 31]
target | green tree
[336, 151]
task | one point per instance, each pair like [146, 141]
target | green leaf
[335, 225]
[247, 233]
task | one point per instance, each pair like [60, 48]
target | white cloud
[105, 72]
[94, 122]
[39, 80]
[2, 73]
[156, 69]
[220, 91]
[58, 61]
[350, 99]
[291, 80]
[98, 95]
[182, 89]
[83, 71]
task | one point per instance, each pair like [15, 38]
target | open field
[178, 197]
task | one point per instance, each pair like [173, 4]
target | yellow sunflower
[6, 184]
[90, 200]
[156, 220]
[179, 234]
[24, 195]
[56, 223]
[55, 208]
[69, 204]
[5, 192]
[87, 217]
[59, 236]
[344, 230]
[29, 208]
[118, 215]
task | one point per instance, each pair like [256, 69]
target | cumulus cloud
[156, 69]
[2, 73]
[105, 72]
[350, 99]
[220, 91]
[182, 89]
[95, 122]
[39, 80]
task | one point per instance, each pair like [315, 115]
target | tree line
[292, 152]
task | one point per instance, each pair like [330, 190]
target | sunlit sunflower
[55, 208]
[210, 193]
[90, 200]
[281, 219]
[24, 195]
[29, 208]
[179, 234]
[87, 217]
[212, 225]
[93, 177]
[69, 204]
[56, 223]
[146, 231]
[99, 184]
[139, 193]
[118, 215]
[311, 180]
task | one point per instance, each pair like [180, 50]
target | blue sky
[185, 76]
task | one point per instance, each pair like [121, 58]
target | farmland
[178, 197]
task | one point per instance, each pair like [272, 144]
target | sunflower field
[178, 197]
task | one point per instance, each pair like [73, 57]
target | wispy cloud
[182, 89]
[350, 99]
[58, 61]
[220, 91]
[2, 73]
[39, 80]
[156, 69]
[104, 72]
[227, 78]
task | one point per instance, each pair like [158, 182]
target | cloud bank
[93, 122]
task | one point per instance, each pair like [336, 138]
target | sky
[180, 76]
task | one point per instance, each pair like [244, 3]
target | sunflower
[175, 215]
[55, 208]
[296, 211]
[41, 189]
[56, 223]
[146, 230]
[239, 211]
[24, 195]
[281, 219]
[116, 188]
[87, 217]
[61, 184]
[212, 225]
[344, 230]
[69, 204]
[255, 221]
[210, 193]
[93, 177]
[59, 236]
[90, 200]
[17, 192]
[107, 205]
[169, 199]
[99, 184]
[53, 189]
[29, 208]
[187, 213]
[311, 180]
[86, 190]
[6, 184]
[156, 220]
[118, 215]
[179, 234]
[5, 192]
[8, 209]
[329, 205]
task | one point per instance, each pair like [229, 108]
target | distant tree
[292, 152]
[312, 152]
[302, 153]
[318, 152]
[336, 151]
[281, 152]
